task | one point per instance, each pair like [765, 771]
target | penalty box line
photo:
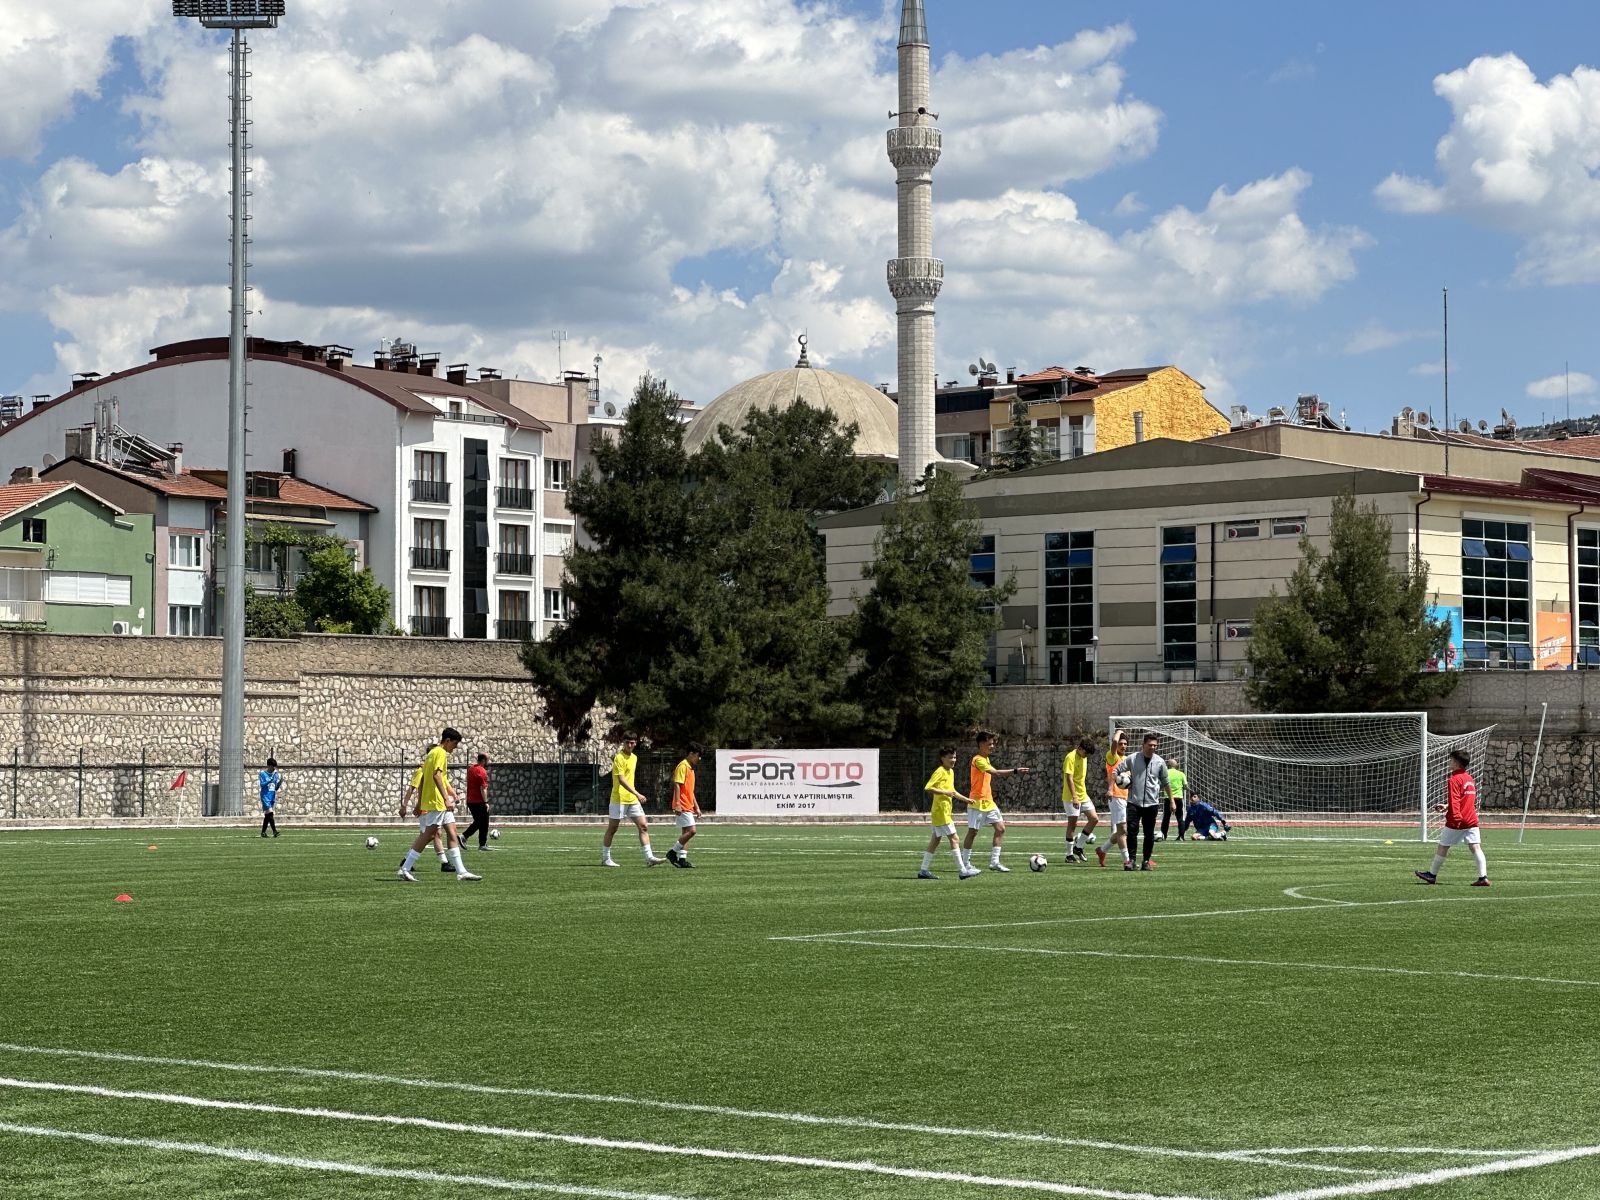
[715, 1110]
[389, 1120]
[264, 1158]
[1405, 1183]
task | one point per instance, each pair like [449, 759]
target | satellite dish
[611, 409]
[1465, 426]
[1408, 412]
[988, 366]
[1483, 427]
[1424, 419]
[972, 369]
[50, 460]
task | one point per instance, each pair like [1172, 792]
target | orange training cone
[124, 899]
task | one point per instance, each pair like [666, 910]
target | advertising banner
[1452, 651]
[797, 783]
[1552, 631]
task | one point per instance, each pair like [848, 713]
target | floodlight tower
[236, 16]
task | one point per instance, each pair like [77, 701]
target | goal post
[1311, 775]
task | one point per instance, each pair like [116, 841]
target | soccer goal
[1314, 775]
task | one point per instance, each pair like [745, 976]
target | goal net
[1338, 775]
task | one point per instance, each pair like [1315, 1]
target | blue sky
[685, 184]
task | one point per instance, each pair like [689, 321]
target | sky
[1272, 197]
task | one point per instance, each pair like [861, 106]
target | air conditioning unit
[120, 628]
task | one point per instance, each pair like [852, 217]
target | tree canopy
[1024, 443]
[1351, 633]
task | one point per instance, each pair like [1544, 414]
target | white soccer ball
[1038, 862]
[1122, 777]
[372, 843]
[1161, 837]
[494, 834]
[1090, 840]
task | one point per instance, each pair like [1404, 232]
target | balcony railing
[430, 491]
[429, 558]
[512, 563]
[514, 631]
[273, 581]
[430, 627]
[21, 612]
[514, 497]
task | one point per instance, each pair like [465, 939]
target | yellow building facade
[1081, 412]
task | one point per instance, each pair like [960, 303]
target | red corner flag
[180, 781]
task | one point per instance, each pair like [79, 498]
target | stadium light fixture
[236, 16]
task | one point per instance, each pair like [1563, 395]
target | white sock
[1077, 842]
[443, 857]
[961, 863]
[605, 853]
[411, 860]
[648, 853]
[1438, 863]
[927, 860]
[994, 857]
[455, 857]
[1127, 855]
[683, 849]
[1483, 866]
[966, 857]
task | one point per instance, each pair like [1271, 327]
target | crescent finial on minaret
[913, 24]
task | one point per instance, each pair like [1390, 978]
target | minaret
[915, 276]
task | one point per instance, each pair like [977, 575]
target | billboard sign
[797, 783]
[1452, 650]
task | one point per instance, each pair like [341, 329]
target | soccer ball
[1090, 840]
[372, 843]
[1161, 837]
[494, 834]
[1038, 862]
[1122, 777]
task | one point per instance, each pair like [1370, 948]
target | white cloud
[1374, 336]
[1519, 156]
[1129, 206]
[1428, 368]
[471, 178]
[1555, 387]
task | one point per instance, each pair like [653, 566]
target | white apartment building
[457, 475]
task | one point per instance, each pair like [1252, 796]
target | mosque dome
[851, 400]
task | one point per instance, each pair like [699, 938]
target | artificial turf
[990, 1029]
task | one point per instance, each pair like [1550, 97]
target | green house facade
[72, 562]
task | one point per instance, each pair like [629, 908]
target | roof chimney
[25, 475]
[175, 454]
[339, 356]
[380, 361]
[428, 365]
[456, 373]
[1011, 374]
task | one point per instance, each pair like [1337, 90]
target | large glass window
[1180, 614]
[557, 474]
[185, 620]
[1068, 621]
[1588, 597]
[183, 550]
[1497, 593]
[981, 570]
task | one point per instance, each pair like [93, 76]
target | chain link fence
[164, 784]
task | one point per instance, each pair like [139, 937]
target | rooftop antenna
[1566, 370]
[1446, 292]
[560, 336]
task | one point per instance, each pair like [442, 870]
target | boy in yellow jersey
[627, 803]
[684, 804]
[1117, 790]
[438, 802]
[941, 786]
[1075, 799]
[981, 808]
[411, 806]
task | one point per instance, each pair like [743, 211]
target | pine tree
[1024, 445]
[334, 597]
[921, 633]
[1351, 633]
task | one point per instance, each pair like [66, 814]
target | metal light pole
[236, 16]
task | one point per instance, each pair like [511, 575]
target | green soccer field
[796, 1017]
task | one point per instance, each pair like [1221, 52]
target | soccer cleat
[650, 860]
[1100, 852]
[406, 875]
[683, 861]
[467, 877]
[1128, 866]
[970, 872]
[608, 862]
[672, 855]
[1150, 865]
[1426, 876]
[447, 868]
[1480, 881]
[1001, 867]
[926, 875]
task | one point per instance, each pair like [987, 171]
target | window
[1288, 526]
[514, 623]
[33, 530]
[428, 552]
[183, 550]
[516, 484]
[184, 620]
[557, 540]
[1588, 597]
[1068, 589]
[555, 605]
[264, 486]
[429, 482]
[516, 550]
[87, 587]
[1179, 597]
[430, 466]
[1497, 593]
[428, 612]
[557, 474]
[1075, 442]
[1238, 530]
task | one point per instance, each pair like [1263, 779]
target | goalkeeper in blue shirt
[271, 784]
[1208, 824]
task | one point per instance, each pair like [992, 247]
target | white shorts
[631, 811]
[685, 820]
[949, 830]
[1086, 808]
[1455, 837]
[977, 818]
[1119, 811]
[429, 819]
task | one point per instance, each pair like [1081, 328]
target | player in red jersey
[1460, 823]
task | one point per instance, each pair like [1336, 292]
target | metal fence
[165, 785]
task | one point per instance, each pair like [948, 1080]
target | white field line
[717, 1110]
[853, 1166]
[1457, 1151]
[1318, 904]
[320, 1164]
[1216, 962]
[1402, 1183]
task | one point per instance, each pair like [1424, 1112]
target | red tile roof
[1585, 446]
[1535, 485]
[14, 497]
[210, 484]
